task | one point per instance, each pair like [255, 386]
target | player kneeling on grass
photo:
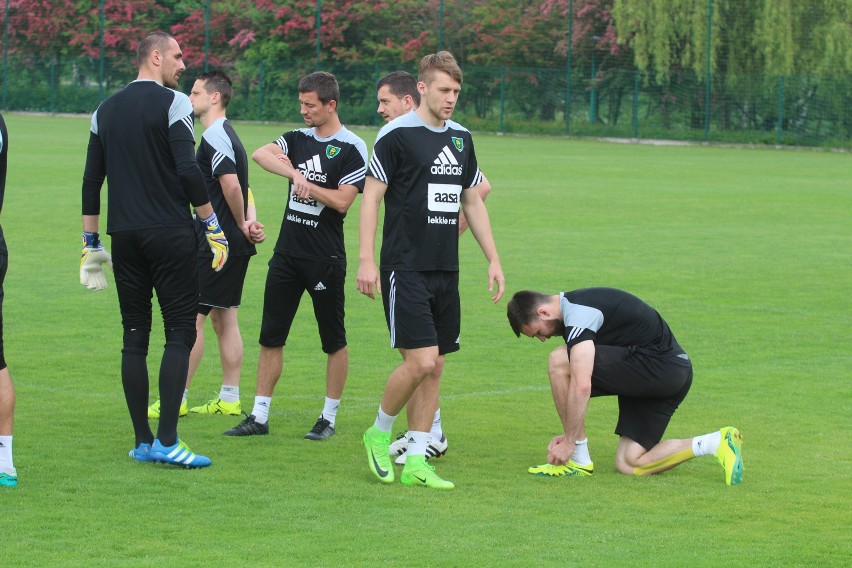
[616, 344]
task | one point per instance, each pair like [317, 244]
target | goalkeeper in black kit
[142, 143]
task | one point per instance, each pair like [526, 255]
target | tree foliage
[748, 36]
[775, 37]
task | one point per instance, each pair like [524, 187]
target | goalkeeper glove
[216, 240]
[92, 262]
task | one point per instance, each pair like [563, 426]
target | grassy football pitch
[746, 252]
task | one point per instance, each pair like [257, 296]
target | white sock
[437, 432]
[6, 454]
[581, 454]
[384, 422]
[183, 400]
[707, 444]
[229, 394]
[261, 409]
[416, 443]
[329, 411]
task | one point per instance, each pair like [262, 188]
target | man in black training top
[224, 163]
[142, 142]
[616, 345]
[398, 95]
[424, 168]
[325, 165]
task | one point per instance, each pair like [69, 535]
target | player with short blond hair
[398, 95]
[424, 168]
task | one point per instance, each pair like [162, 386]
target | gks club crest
[458, 143]
[331, 151]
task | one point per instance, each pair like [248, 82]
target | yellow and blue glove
[216, 240]
[92, 262]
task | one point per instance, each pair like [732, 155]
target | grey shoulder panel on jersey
[408, 120]
[94, 125]
[346, 135]
[181, 109]
[219, 139]
[453, 125]
[580, 317]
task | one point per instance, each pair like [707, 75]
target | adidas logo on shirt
[320, 286]
[312, 169]
[446, 164]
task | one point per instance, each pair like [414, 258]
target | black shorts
[649, 384]
[223, 289]
[286, 281]
[422, 309]
[162, 259]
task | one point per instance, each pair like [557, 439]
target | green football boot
[570, 469]
[377, 444]
[218, 406]
[418, 473]
[729, 454]
[154, 409]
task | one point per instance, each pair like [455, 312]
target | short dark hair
[152, 41]
[441, 61]
[401, 83]
[216, 81]
[323, 84]
[522, 308]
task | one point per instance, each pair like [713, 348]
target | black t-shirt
[426, 169]
[142, 141]
[221, 152]
[310, 229]
[614, 317]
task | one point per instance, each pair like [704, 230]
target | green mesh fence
[790, 110]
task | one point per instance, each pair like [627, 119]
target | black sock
[134, 379]
[173, 371]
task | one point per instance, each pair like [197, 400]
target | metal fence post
[101, 71]
[319, 30]
[377, 74]
[6, 57]
[441, 26]
[708, 75]
[262, 73]
[636, 105]
[593, 94]
[568, 50]
[206, 35]
[502, 98]
[52, 87]
[780, 109]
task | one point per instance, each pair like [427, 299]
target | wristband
[211, 222]
[91, 240]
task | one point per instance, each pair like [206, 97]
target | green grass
[746, 252]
